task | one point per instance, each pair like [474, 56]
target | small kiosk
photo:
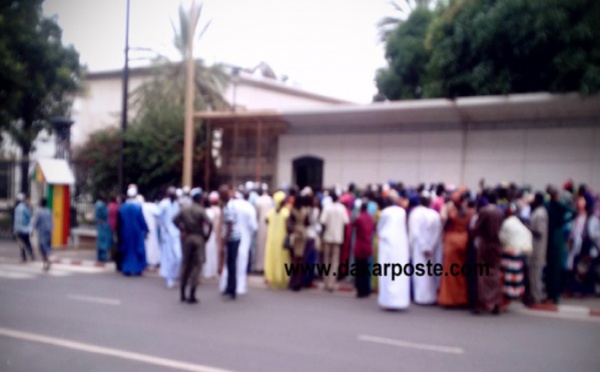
[53, 180]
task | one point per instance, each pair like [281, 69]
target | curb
[85, 263]
[567, 309]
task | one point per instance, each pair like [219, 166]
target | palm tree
[387, 25]
[169, 78]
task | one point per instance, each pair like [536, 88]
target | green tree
[387, 25]
[407, 57]
[153, 156]
[485, 47]
[38, 75]
[513, 46]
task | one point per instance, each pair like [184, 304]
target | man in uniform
[195, 229]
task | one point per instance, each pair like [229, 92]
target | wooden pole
[188, 138]
[258, 151]
[234, 154]
[207, 156]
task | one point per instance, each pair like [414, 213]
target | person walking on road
[22, 227]
[43, 224]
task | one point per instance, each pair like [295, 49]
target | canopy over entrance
[54, 172]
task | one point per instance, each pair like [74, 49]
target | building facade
[530, 139]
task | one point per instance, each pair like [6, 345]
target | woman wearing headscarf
[104, 240]
[276, 256]
[298, 223]
[517, 242]
[453, 288]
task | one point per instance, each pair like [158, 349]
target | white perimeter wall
[528, 156]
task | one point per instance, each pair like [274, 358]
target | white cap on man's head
[425, 194]
[179, 193]
[249, 186]
[213, 196]
[20, 197]
[307, 191]
[132, 192]
[186, 190]
[195, 192]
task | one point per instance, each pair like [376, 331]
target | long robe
[556, 255]
[276, 257]
[264, 204]
[517, 242]
[424, 231]
[104, 237]
[453, 289]
[210, 269]
[489, 252]
[393, 249]
[248, 225]
[133, 230]
[151, 212]
[170, 241]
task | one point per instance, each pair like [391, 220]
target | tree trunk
[25, 150]
[25, 175]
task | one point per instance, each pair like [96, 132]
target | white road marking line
[15, 275]
[411, 345]
[98, 300]
[36, 269]
[169, 363]
[79, 269]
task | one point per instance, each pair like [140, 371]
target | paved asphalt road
[95, 320]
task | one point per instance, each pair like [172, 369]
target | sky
[329, 47]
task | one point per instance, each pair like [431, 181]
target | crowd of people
[514, 244]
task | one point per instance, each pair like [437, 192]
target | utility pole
[125, 101]
[188, 137]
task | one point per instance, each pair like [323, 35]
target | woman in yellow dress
[276, 256]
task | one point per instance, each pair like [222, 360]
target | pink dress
[113, 211]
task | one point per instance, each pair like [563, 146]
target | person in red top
[364, 228]
[113, 211]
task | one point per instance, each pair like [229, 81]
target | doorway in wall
[308, 171]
